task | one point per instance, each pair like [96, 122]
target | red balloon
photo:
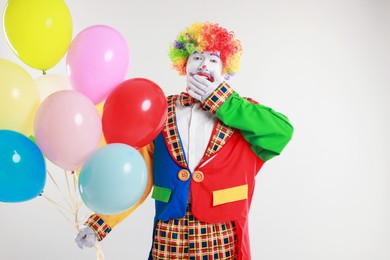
[134, 113]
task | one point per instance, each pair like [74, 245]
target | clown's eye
[197, 58]
[213, 61]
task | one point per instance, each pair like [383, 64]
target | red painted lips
[205, 75]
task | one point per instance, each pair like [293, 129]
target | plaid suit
[246, 135]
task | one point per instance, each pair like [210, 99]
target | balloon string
[99, 252]
[74, 182]
[78, 203]
[59, 189]
[57, 206]
[71, 199]
[77, 198]
[74, 203]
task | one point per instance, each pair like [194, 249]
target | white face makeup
[205, 64]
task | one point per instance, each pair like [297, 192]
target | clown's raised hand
[201, 87]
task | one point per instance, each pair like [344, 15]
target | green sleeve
[266, 130]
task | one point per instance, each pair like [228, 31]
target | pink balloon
[97, 61]
[67, 128]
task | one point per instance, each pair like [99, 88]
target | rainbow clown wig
[206, 37]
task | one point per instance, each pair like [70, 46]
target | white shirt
[195, 127]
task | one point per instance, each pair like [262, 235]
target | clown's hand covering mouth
[204, 74]
[200, 87]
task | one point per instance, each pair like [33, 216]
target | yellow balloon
[99, 108]
[19, 98]
[38, 31]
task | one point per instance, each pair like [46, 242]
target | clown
[206, 158]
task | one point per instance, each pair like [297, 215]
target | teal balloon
[113, 179]
[22, 168]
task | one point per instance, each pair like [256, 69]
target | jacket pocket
[230, 195]
[161, 194]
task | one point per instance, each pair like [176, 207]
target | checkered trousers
[188, 238]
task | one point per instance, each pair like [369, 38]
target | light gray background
[325, 64]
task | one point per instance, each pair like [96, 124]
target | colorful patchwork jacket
[245, 136]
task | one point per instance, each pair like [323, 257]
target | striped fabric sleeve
[99, 226]
[218, 97]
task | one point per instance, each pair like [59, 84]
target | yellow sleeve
[102, 224]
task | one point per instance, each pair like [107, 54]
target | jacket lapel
[219, 137]
[171, 134]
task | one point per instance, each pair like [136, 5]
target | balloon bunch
[68, 115]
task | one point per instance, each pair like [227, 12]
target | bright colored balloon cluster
[67, 115]
[206, 37]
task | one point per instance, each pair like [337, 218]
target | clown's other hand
[201, 88]
[86, 237]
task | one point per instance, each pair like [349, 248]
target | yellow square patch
[230, 195]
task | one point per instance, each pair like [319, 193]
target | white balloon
[51, 83]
